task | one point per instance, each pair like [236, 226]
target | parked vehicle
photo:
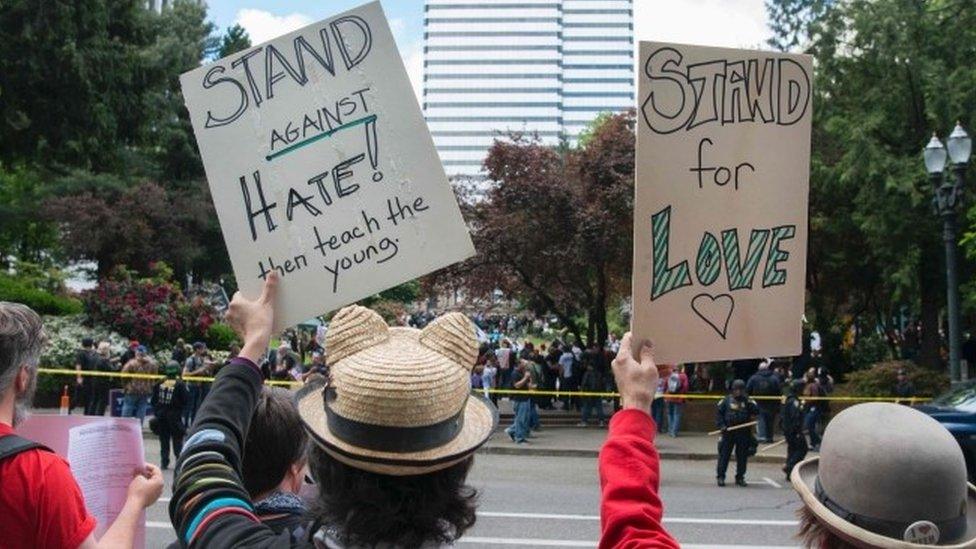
[955, 409]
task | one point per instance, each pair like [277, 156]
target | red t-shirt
[40, 502]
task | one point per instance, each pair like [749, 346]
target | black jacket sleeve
[210, 507]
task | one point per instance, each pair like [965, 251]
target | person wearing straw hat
[394, 432]
[887, 476]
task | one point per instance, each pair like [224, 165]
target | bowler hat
[889, 476]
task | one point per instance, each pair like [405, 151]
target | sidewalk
[559, 437]
[586, 442]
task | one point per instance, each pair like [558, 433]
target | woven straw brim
[804, 479]
[480, 420]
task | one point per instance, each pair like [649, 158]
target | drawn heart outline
[711, 309]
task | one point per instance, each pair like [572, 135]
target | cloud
[728, 23]
[397, 25]
[263, 26]
[413, 58]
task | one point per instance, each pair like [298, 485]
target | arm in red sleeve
[630, 509]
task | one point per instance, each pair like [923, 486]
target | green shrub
[221, 336]
[880, 379]
[43, 302]
[869, 349]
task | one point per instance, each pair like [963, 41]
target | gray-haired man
[41, 504]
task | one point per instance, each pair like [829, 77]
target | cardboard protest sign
[321, 166]
[720, 213]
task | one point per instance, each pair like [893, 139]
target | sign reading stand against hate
[321, 166]
[720, 213]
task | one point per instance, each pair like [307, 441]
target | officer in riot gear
[734, 410]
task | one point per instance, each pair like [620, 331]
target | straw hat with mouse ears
[399, 401]
[889, 476]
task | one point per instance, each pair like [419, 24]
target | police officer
[735, 409]
[792, 423]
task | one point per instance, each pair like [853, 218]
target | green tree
[73, 81]
[554, 231]
[23, 233]
[888, 72]
[234, 40]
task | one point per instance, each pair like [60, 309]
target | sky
[730, 23]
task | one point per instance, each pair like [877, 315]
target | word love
[722, 91]
[714, 253]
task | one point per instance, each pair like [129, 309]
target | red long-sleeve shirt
[630, 509]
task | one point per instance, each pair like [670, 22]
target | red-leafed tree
[554, 228]
[135, 226]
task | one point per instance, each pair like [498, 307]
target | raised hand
[636, 381]
[253, 320]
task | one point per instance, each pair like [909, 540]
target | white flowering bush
[64, 340]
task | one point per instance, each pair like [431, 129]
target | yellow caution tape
[590, 394]
[126, 375]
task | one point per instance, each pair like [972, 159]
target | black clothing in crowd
[792, 424]
[168, 400]
[766, 383]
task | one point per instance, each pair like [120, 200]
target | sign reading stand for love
[720, 212]
[321, 167]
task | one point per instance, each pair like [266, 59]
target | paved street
[539, 501]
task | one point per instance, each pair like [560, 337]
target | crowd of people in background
[240, 471]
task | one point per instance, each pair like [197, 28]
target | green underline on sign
[313, 139]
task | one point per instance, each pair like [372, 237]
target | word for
[739, 271]
[767, 91]
[322, 120]
[260, 69]
[720, 175]
[333, 247]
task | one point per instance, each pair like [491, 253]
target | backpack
[674, 382]
[11, 445]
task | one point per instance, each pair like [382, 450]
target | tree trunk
[599, 312]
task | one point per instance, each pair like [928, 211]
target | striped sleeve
[210, 507]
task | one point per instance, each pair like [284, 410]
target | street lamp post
[948, 192]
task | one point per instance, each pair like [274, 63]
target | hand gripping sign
[720, 213]
[321, 167]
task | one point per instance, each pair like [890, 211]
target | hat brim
[480, 421]
[804, 478]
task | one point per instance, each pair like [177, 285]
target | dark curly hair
[369, 509]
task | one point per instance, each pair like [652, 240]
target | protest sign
[720, 212]
[321, 166]
[103, 477]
